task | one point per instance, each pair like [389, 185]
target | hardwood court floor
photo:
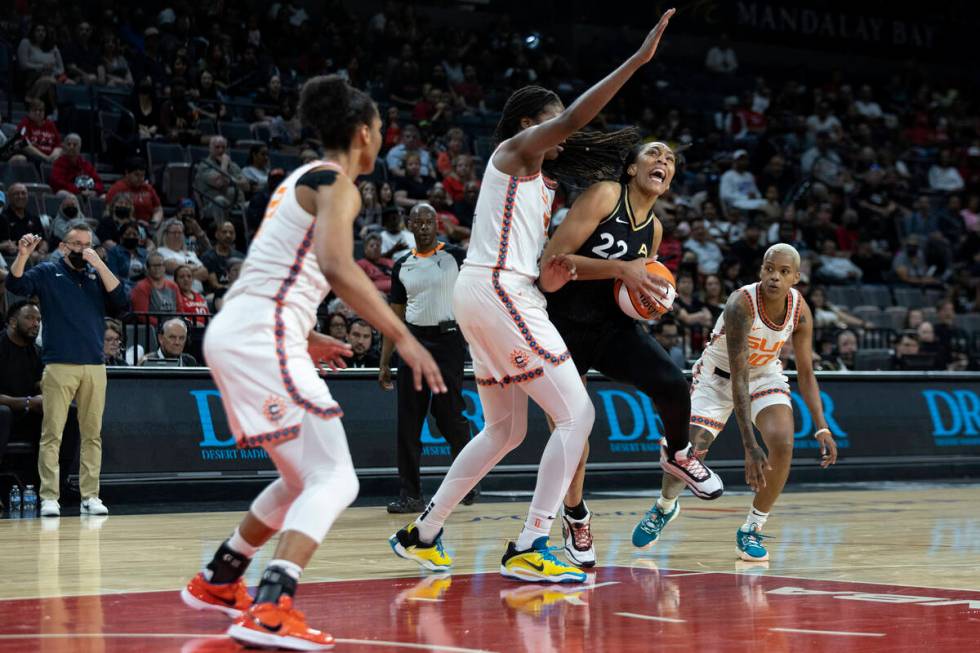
[887, 570]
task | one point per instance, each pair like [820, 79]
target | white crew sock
[665, 504]
[755, 518]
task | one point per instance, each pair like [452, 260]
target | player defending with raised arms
[611, 233]
[263, 354]
[740, 370]
[517, 352]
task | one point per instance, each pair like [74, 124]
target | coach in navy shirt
[75, 294]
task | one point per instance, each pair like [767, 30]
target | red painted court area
[625, 609]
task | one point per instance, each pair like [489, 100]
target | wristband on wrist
[819, 431]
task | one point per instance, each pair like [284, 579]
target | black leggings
[625, 353]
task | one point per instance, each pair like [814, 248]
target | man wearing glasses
[75, 293]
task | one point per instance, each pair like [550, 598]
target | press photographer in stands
[76, 292]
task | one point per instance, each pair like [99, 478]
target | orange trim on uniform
[439, 246]
[272, 437]
[748, 297]
[523, 377]
[766, 393]
[762, 310]
[700, 420]
[552, 184]
[515, 315]
[280, 334]
[799, 306]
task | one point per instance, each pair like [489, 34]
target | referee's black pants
[448, 349]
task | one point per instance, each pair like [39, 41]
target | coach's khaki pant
[61, 384]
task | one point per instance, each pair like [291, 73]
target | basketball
[640, 306]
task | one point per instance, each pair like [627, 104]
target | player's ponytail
[333, 109]
[587, 156]
[591, 156]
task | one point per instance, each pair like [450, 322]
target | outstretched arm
[738, 323]
[523, 153]
[807, 381]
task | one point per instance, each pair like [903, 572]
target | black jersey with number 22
[620, 236]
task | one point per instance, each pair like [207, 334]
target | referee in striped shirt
[422, 294]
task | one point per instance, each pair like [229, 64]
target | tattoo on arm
[738, 323]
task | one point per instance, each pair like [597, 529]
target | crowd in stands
[875, 181]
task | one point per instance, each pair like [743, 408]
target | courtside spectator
[337, 326]
[189, 301]
[257, 170]
[113, 68]
[118, 216]
[217, 259]
[412, 188]
[666, 333]
[910, 264]
[708, 253]
[395, 237]
[42, 135]
[461, 174]
[127, 259]
[411, 142]
[113, 342]
[69, 213]
[81, 56]
[74, 315]
[847, 346]
[374, 265]
[369, 219]
[220, 182]
[361, 339]
[171, 338]
[18, 219]
[738, 186]
[465, 209]
[721, 58]
[155, 293]
[21, 404]
[234, 269]
[172, 246]
[146, 202]
[72, 174]
[943, 175]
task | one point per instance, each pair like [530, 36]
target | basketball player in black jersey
[611, 233]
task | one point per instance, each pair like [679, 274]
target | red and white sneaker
[687, 466]
[578, 540]
[278, 626]
[231, 598]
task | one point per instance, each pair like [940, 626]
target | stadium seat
[908, 297]
[896, 315]
[24, 173]
[235, 131]
[77, 96]
[969, 322]
[197, 152]
[176, 183]
[876, 296]
[96, 208]
[287, 162]
[239, 156]
[868, 313]
[873, 359]
[51, 204]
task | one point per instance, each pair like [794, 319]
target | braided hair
[588, 156]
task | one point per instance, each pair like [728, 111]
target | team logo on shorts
[274, 408]
[519, 359]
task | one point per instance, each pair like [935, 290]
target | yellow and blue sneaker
[407, 544]
[538, 565]
[749, 546]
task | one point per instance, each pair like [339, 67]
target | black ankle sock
[228, 565]
[275, 582]
[578, 512]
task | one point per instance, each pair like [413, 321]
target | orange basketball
[640, 306]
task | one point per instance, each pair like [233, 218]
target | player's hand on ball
[325, 350]
[828, 449]
[636, 277]
[756, 465]
[423, 365]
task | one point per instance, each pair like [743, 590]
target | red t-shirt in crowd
[44, 137]
[195, 305]
[145, 199]
[64, 173]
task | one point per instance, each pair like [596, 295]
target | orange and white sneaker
[278, 626]
[231, 598]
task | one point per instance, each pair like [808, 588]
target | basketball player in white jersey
[263, 354]
[740, 370]
[498, 302]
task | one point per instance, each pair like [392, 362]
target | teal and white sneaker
[647, 532]
[749, 546]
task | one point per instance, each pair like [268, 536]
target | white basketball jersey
[510, 227]
[281, 264]
[765, 337]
